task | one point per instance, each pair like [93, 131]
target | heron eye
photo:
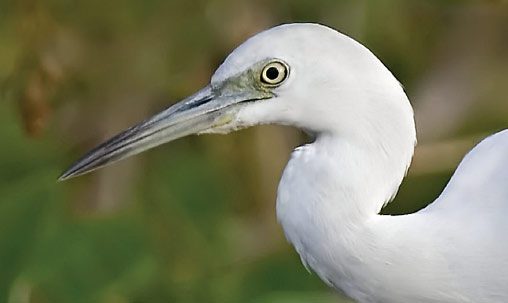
[274, 73]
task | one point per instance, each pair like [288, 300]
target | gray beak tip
[68, 174]
[64, 176]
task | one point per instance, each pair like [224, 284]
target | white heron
[332, 190]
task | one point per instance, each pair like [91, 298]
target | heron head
[304, 75]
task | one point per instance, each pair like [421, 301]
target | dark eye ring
[274, 73]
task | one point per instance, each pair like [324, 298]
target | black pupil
[272, 73]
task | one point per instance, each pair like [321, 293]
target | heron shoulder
[480, 179]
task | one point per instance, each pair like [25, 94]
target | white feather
[331, 192]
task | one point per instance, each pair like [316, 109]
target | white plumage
[332, 190]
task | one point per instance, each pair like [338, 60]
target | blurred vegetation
[194, 221]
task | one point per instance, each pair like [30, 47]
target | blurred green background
[194, 221]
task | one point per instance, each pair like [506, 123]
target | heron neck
[363, 174]
[335, 181]
[330, 191]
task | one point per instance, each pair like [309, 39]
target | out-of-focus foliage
[194, 221]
